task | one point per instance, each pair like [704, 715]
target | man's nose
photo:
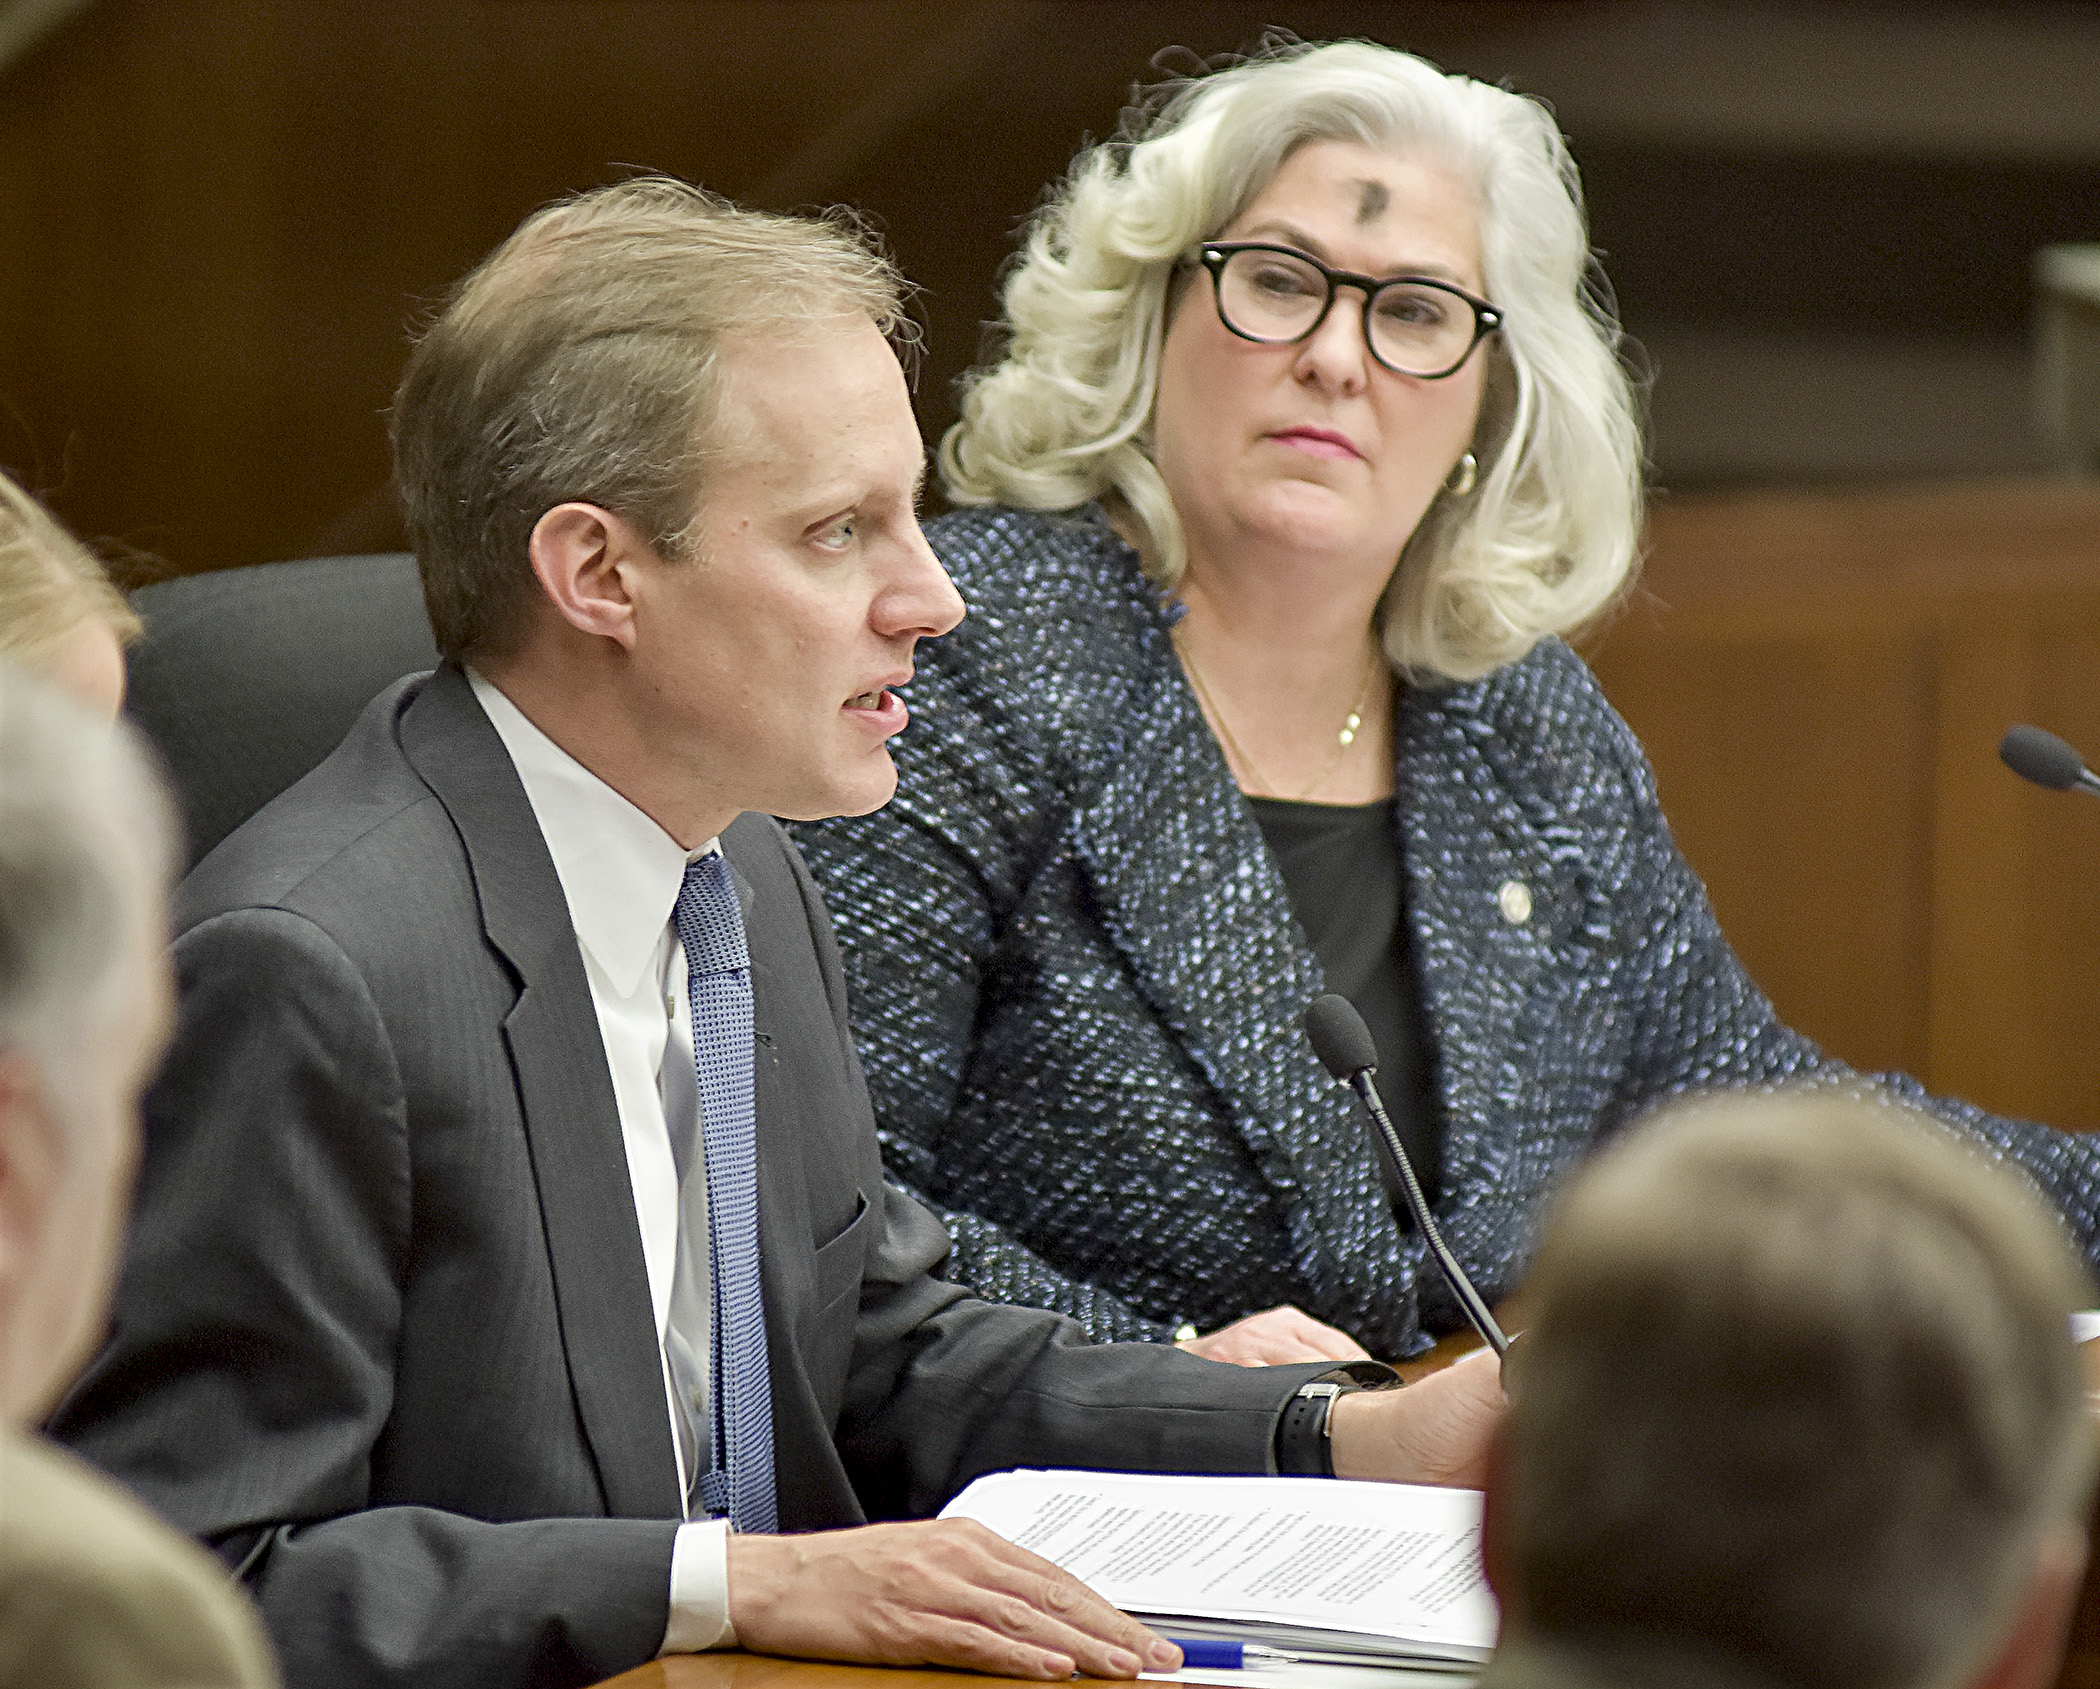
[923, 603]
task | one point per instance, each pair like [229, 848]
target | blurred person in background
[1796, 1404]
[1309, 441]
[94, 1591]
[59, 614]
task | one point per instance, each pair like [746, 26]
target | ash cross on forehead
[1372, 199]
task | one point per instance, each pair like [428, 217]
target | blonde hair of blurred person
[1797, 1404]
[93, 1589]
[59, 614]
[1543, 539]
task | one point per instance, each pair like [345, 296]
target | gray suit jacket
[383, 1334]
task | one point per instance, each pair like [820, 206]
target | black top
[1341, 866]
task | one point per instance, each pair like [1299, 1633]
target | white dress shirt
[621, 874]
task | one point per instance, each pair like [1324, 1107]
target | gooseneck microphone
[2038, 755]
[1346, 1049]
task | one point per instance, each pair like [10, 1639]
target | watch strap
[1303, 1445]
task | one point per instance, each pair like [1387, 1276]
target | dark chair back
[247, 678]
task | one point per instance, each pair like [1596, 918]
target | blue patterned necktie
[738, 1438]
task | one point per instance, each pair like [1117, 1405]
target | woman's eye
[1283, 282]
[1412, 310]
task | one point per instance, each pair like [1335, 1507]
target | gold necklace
[1351, 724]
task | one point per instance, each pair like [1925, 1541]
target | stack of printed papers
[1313, 1565]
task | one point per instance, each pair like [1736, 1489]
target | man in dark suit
[512, 1220]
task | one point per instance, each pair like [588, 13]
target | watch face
[1358, 1375]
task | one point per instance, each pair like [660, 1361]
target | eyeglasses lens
[1415, 328]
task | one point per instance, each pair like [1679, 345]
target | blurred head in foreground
[1797, 1403]
[59, 614]
[85, 854]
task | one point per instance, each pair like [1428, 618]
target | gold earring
[1461, 479]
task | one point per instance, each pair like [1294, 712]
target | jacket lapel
[572, 1122]
[1192, 898]
[1477, 820]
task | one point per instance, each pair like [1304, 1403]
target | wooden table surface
[754, 1671]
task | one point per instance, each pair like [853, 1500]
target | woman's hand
[1276, 1338]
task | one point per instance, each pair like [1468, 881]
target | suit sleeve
[246, 1387]
[1702, 1022]
[946, 1387]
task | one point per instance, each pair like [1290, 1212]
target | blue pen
[1207, 1654]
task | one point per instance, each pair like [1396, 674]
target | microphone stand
[1394, 1158]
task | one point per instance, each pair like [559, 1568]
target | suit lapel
[572, 1122]
[783, 1199]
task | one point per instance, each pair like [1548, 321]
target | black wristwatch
[1303, 1449]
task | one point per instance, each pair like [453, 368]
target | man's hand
[947, 1592]
[1276, 1338]
[1433, 1432]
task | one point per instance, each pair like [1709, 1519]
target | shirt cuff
[699, 1589]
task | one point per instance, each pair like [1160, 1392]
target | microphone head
[2042, 757]
[1339, 1037]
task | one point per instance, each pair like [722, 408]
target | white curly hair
[1547, 537]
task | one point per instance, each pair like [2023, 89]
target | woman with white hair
[1309, 441]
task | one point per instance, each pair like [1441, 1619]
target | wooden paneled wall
[1821, 682]
[217, 217]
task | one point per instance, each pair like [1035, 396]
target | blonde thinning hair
[1797, 1384]
[87, 850]
[1547, 537]
[579, 361]
[50, 583]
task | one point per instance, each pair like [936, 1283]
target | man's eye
[838, 536]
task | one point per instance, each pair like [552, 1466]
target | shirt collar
[620, 872]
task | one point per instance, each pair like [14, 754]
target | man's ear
[581, 555]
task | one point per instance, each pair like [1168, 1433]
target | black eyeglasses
[1277, 294]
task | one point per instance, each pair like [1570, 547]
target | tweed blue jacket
[1077, 981]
